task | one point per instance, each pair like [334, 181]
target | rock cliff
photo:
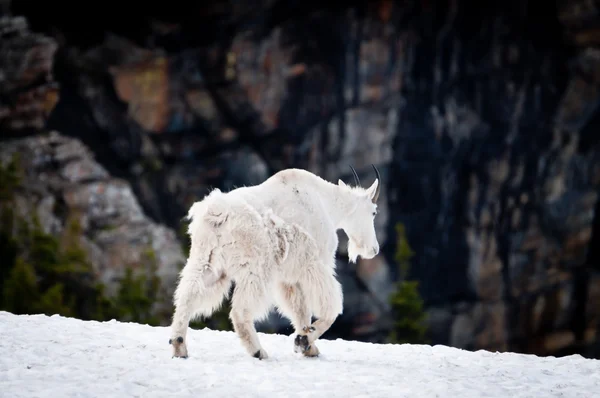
[62, 178]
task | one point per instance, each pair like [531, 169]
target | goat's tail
[199, 208]
[204, 281]
[205, 211]
[203, 234]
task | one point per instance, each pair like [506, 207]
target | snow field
[43, 356]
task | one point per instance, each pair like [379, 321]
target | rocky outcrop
[64, 183]
[63, 179]
[481, 120]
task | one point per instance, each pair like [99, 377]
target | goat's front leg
[292, 303]
[326, 300]
[247, 304]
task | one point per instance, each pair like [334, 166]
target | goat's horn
[376, 196]
[356, 180]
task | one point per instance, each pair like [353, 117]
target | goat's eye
[374, 213]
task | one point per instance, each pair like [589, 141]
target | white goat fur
[277, 242]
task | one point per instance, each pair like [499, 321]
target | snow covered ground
[56, 357]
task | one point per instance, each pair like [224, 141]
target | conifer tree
[407, 305]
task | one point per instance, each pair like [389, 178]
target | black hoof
[302, 342]
[257, 354]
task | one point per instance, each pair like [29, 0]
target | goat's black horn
[356, 180]
[376, 195]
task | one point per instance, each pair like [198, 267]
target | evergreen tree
[407, 305]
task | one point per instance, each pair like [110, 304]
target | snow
[43, 356]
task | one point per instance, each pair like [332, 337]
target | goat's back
[233, 228]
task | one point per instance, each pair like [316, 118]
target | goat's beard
[353, 251]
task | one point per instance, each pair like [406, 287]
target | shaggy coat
[277, 242]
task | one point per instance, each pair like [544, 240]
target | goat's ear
[372, 190]
[341, 183]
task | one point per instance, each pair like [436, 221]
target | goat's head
[359, 224]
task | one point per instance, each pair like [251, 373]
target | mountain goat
[277, 242]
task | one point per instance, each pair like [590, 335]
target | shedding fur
[277, 242]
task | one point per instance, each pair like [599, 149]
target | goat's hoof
[301, 343]
[260, 354]
[312, 351]
[179, 348]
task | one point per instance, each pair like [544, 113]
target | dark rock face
[482, 120]
[27, 90]
[496, 176]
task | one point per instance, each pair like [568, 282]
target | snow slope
[56, 357]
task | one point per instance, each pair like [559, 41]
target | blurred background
[482, 118]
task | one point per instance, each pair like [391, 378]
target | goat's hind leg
[199, 293]
[248, 304]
